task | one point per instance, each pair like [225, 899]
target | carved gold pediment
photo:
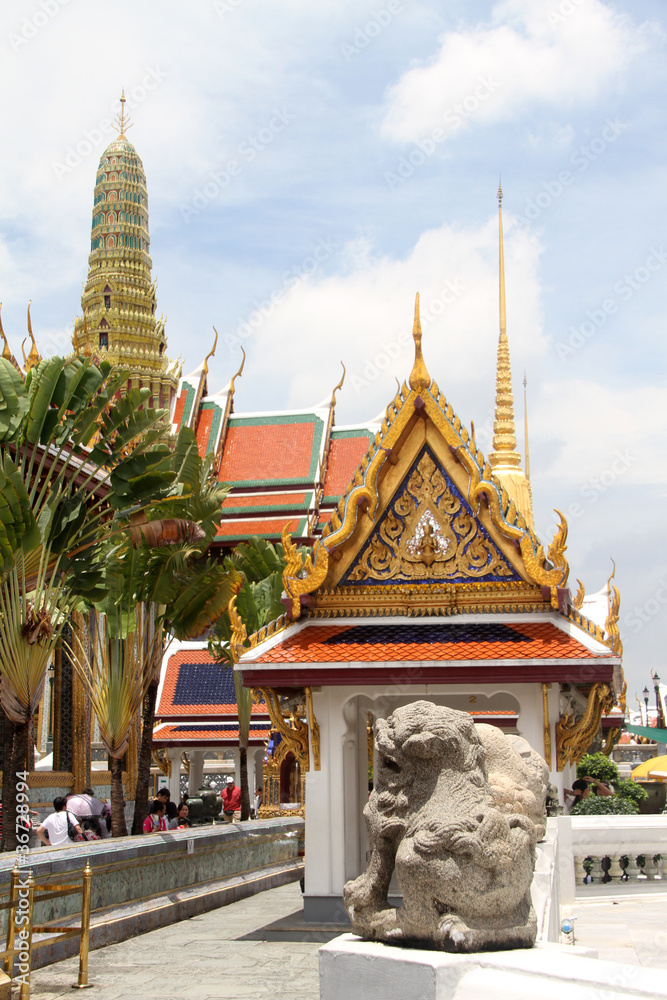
[429, 533]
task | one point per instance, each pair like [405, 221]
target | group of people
[83, 817]
[76, 818]
[163, 814]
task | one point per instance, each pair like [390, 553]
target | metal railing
[23, 894]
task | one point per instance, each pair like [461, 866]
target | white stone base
[352, 969]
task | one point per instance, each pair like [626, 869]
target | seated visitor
[90, 828]
[54, 831]
[180, 821]
[156, 821]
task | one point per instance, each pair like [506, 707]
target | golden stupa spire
[505, 459]
[419, 376]
[526, 463]
[122, 122]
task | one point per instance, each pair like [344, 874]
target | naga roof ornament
[34, 357]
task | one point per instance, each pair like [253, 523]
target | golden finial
[34, 357]
[210, 353]
[419, 376]
[339, 386]
[238, 375]
[6, 351]
[503, 317]
[122, 121]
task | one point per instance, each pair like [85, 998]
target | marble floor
[258, 949]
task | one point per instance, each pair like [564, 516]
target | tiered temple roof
[285, 469]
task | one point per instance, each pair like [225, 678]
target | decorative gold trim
[611, 624]
[301, 577]
[579, 597]
[547, 726]
[239, 632]
[574, 738]
[162, 760]
[293, 730]
[185, 761]
[612, 740]
[586, 624]
[314, 729]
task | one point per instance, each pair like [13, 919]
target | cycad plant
[67, 439]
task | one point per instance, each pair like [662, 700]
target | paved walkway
[257, 949]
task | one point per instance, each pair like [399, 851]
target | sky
[311, 166]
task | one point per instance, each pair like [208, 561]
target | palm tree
[65, 475]
[258, 602]
[155, 586]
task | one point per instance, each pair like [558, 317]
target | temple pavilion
[427, 581]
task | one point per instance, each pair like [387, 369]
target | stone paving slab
[222, 954]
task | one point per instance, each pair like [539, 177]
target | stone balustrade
[602, 854]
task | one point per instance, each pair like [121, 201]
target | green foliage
[259, 596]
[608, 805]
[599, 766]
[629, 789]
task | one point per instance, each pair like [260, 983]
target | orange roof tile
[206, 732]
[265, 528]
[268, 452]
[180, 404]
[443, 641]
[204, 429]
[345, 454]
[266, 500]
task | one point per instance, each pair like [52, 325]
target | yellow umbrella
[654, 764]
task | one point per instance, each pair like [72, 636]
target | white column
[174, 783]
[196, 771]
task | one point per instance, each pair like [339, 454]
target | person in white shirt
[53, 831]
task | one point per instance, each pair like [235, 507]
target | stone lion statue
[456, 812]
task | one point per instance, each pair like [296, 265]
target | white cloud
[525, 56]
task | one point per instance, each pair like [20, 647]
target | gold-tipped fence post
[24, 992]
[85, 927]
[8, 964]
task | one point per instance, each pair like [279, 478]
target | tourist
[598, 787]
[579, 791]
[172, 813]
[54, 830]
[86, 804]
[156, 821]
[90, 829]
[231, 801]
[258, 801]
[180, 821]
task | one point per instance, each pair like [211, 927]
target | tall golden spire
[526, 463]
[505, 459]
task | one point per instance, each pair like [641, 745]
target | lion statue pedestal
[456, 812]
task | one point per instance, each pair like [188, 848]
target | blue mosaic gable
[392, 524]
